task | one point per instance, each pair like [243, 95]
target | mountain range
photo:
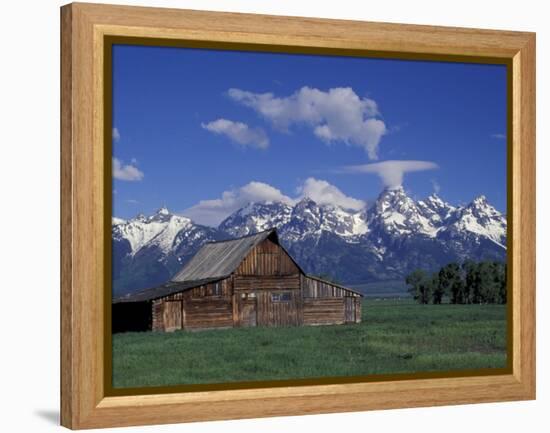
[383, 241]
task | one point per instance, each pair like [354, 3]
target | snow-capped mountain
[386, 240]
[159, 229]
[477, 220]
[310, 220]
[146, 250]
[435, 210]
[256, 217]
[396, 214]
[305, 219]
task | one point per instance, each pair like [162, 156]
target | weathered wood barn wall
[250, 281]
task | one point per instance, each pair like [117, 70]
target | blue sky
[204, 131]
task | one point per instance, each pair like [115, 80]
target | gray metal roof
[220, 259]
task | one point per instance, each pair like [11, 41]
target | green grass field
[396, 336]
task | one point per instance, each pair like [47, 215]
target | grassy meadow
[395, 336]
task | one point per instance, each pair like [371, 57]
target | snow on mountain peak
[256, 217]
[159, 229]
[306, 202]
[480, 200]
[139, 217]
[395, 200]
[312, 219]
[435, 209]
[481, 208]
[397, 214]
[481, 219]
[116, 221]
[307, 209]
[435, 200]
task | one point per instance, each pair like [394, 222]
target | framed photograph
[266, 216]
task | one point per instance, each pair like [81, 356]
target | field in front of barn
[396, 336]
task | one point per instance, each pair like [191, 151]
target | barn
[249, 281]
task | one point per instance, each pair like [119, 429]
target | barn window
[217, 289]
[281, 297]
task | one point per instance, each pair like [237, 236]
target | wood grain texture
[524, 216]
[67, 386]
[83, 228]
[267, 258]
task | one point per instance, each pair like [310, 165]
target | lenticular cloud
[392, 172]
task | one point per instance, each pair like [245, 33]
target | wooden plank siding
[326, 303]
[265, 259]
[157, 322]
[172, 315]
[267, 283]
[205, 306]
[323, 311]
[266, 271]
[316, 288]
[208, 313]
[220, 288]
[279, 313]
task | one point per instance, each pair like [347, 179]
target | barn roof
[160, 291]
[220, 259]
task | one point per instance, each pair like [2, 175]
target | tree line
[467, 283]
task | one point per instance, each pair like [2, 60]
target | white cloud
[116, 135]
[239, 132]
[338, 114]
[499, 136]
[127, 172]
[213, 212]
[391, 172]
[322, 192]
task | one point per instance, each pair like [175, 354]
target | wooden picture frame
[85, 215]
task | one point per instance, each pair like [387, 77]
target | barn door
[283, 308]
[349, 309]
[172, 315]
[248, 313]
